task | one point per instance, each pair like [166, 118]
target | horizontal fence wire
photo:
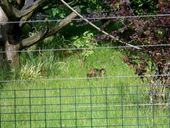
[85, 78]
[89, 18]
[80, 49]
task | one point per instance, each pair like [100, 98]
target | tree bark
[10, 45]
[8, 41]
[46, 33]
[1, 57]
[1, 48]
[11, 41]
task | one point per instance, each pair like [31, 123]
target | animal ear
[103, 69]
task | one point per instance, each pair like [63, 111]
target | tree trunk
[8, 40]
[10, 46]
[11, 34]
[1, 57]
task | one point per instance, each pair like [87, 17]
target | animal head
[95, 72]
[102, 71]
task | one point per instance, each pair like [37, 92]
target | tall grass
[54, 92]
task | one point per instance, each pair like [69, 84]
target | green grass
[55, 98]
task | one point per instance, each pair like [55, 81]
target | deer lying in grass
[95, 72]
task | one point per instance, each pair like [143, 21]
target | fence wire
[89, 17]
[104, 106]
[103, 102]
[80, 49]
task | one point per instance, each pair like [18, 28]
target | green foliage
[86, 41]
[53, 42]
[59, 12]
[145, 6]
[30, 71]
[37, 65]
[89, 5]
[83, 6]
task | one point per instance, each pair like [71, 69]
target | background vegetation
[125, 94]
[43, 67]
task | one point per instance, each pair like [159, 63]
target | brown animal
[95, 72]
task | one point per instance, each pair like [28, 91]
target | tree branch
[44, 34]
[24, 12]
[63, 23]
[31, 40]
[96, 27]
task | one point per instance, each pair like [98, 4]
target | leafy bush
[144, 6]
[87, 42]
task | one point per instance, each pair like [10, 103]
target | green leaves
[85, 41]
[144, 6]
[57, 12]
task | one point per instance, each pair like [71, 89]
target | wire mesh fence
[116, 100]
[90, 105]
[70, 100]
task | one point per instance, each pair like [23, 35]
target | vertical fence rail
[75, 105]
[45, 108]
[60, 97]
[106, 100]
[153, 113]
[137, 95]
[30, 109]
[91, 107]
[122, 109]
[168, 101]
[0, 112]
[15, 109]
